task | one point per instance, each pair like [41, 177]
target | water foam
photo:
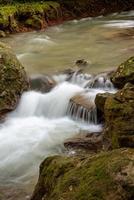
[37, 128]
[25, 141]
[51, 105]
[120, 23]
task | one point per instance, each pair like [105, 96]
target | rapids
[43, 121]
[37, 128]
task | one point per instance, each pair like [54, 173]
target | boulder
[107, 175]
[119, 117]
[124, 74]
[82, 107]
[42, 83]
[13, 80]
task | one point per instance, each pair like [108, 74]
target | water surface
[104, 41]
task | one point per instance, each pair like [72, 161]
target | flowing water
[104, 42]
[43, 121]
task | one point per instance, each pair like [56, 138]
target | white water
[50, 105]
[39, 126]
[36, 129]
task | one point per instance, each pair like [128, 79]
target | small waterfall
[40, 124]
[50, 105]
[81, 79]
[83, 107]
[80, 113]
[100, 81]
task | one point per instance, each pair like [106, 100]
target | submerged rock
[108, 175]
[13, 80]
[81, 63]
[119, 117]
[124, 73]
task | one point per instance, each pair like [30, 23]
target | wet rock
[101, 99]
[42, 83]
[82, 100]
[119, 112]
[90, 142]
[107, 175]
[124, 74]
[100, 103]
[13, 80]
[82, 107]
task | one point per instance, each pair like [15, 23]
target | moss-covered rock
[124, 73]
[100, 177]
[100, 103]
[119, 117]
[101, 99]
[13, 80]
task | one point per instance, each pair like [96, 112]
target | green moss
[124, 73]
[85, 177]
[119, 112]
[13, 79]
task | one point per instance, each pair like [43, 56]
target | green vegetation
[100, 177]
[14, 17]
[13, 80]
[119, 112]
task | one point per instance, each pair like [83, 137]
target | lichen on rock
[13, 80]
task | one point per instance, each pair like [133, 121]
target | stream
[41, 122]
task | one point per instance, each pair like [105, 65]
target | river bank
[23, 17]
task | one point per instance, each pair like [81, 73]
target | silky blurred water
[39, 127]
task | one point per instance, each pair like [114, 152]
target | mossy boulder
[13, 80]
[104, 176]
[119, 117]
[124, 74]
